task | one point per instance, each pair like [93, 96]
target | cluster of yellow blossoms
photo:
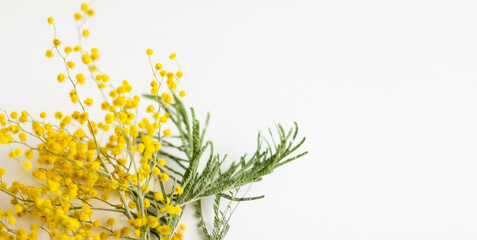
[76, 172]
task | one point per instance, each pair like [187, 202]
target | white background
[385, 92]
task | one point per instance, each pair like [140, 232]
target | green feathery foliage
[212, 180]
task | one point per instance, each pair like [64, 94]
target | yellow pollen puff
[29, 154]
[182, 93]
[150, 109]
[78, 16]
[22, 137]
[74, 96]
[18, 208]
[164, 177]
[94, 56]
[110, 118]
[158, 196]
[105, 106]
[61, 77]
[164, 230]
[80, 78]
[34, 227]
[167, 132]
[27, 165]
[179, 74]
[172, 56]
[158, 66]
[156, 171]
[85, 33]
[96, 224]
[50, 20]
[149, 52]
[68, 181]
[70, 64]
[132, 205]
[165, 97]
[105, 196]
[113, 94]
[56, 42]
[86, 58]
[140, 147]
[105, 78]
[11, 220]
[49, 54]
[14, 115]
[90, 12]
[18, 151]
[88, 102]
[161, 162]
[182, 227]
[58, 115]
[43, 115]
[178, 190]
[170, 75]
[147, 203]
[23, 119]
[84, 7]
[68, 49]
[153, 222]
[84, 217]
[110, 221]
[77, 48]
